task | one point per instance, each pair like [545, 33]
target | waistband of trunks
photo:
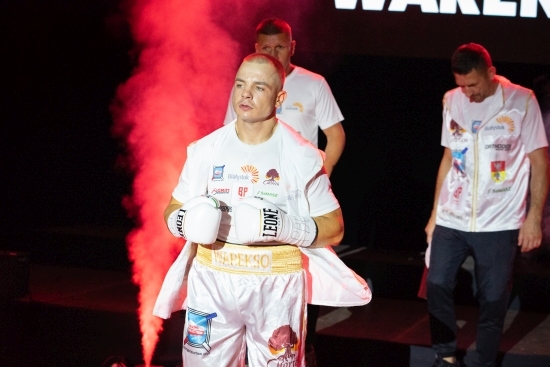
[243, 259]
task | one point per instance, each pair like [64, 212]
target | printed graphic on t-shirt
[217, 174]
[272, 177]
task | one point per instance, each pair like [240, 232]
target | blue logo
[217, 173]
[198, 329]
[475, 126]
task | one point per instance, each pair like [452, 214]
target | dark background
[61, 62]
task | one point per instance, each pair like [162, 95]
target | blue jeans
[493, 254]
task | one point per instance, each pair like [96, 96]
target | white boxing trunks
[242, 296]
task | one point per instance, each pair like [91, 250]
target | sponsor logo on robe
[498, 171]
[217, 174]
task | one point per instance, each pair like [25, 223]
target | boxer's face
[257, 91]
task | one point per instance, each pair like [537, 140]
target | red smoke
[177, 93]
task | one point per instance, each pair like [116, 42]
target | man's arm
[336, 140]
[444, 167]
[530, 233]
[330, 229]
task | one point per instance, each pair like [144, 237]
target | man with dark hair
[252, 201]
[309, 106]
[495, 152]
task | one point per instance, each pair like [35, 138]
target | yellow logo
[299, 105]
[507, 121]
[253, 171]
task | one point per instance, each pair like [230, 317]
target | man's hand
[258, 220]
[198, 220]
[530, 234]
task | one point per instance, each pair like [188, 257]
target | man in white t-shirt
[251, 201]
[495, 153]
[309, 105]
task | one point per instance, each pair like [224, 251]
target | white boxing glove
[258, 220]
[198, 220]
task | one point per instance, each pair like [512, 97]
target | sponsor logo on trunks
[252, 171]
[257, 260]
[475, 126]
[198, 331]
[265, 193]
[272, 177]
[220, 191]
[283, 344]
[217, 174]
[498, 171]
[504, 147]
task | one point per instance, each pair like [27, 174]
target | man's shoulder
[211, 137]
[302, 74]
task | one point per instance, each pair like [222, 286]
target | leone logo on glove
[270, 222]
[257, 220]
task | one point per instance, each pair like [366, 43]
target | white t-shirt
[309, 105]
[241, 170]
